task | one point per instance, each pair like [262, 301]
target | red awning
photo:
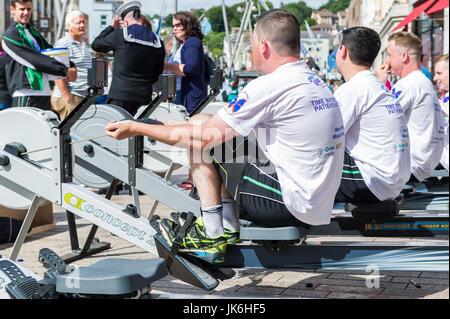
[440, 5]
[414, 14]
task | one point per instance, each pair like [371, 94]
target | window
[103, 20]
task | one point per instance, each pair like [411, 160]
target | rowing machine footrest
[384, 208]
[21, 286]
[253, 231]
[50, 259]
[112, 277]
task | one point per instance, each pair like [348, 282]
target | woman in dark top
[187, 30]
[5, 97]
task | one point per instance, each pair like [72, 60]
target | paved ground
[246, 283]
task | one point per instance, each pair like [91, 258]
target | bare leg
[207, 179]
[208, 183]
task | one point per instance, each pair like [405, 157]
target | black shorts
[254, 185]
[353, 189]
[40, 102]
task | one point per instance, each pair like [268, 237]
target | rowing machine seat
[384, 208]
[253, 231]
[112, 277]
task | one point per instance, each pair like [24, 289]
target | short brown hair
[443, 58]
[13, 2]
[190, 24]
[281, 29]
[409, 41]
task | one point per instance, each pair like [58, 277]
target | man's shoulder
[11, 30]
[65, 41]
[416, 83]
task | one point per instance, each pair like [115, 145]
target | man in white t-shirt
[295, 119]
[377, 160]
[416, 95]
[441, 79]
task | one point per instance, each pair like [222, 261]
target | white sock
[230, 214]
[212, 219]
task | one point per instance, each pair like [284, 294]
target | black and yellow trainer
[191, 238]
[233, 237]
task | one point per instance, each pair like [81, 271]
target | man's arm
[32, 59]
[198, 137]
[106, 41]
[62, 86]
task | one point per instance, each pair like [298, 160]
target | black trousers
[353, 189]
[255, 187]
[40, 102]
[129, 106]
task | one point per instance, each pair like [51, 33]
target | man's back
[298, 123]
[376, 134]
[416, 95]
[138, 61]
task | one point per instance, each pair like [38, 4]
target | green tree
[167, 21]
[301, 11]
[214, 42]
[336, 5]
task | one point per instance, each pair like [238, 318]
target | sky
[152, 7]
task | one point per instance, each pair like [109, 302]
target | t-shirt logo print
[396, 93]
[444, 99]
[315, 80]
[236, 104]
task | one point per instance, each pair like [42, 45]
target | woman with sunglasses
[187, 31]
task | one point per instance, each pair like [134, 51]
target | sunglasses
[177, 25]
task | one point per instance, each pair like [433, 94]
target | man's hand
[71, 74]
[67, 96]
[382, 73]
[117, 22]
[120, 130]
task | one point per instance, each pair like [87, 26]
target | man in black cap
[138, 58]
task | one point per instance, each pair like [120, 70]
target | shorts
[253, 183]
[353, 189]
[40, 102]
[63, 108]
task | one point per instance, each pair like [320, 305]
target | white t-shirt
[445, 111]
[416, 95]
[376, 134]
[297, 123]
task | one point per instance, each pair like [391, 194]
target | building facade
[100, 14]
[318, 48]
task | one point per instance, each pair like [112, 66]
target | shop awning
[414, 14]
[438, 6]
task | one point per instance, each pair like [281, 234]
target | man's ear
[264, 47]
[404, 57]
[343, 51]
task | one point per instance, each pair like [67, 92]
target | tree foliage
[336, 5]
[214, 40]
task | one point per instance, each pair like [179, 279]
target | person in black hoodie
[5, 97]
[138, 59]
